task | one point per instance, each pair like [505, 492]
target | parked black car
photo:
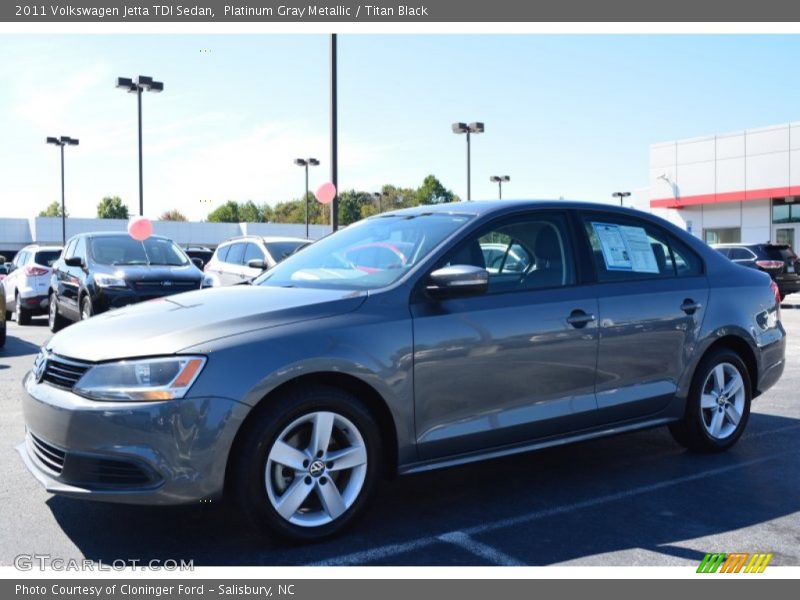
[778, 260]
[200, 253]
[101, 271]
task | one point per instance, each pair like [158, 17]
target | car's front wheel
[86, 308]
[307, 462]
[54, 318]
[718, 406]
[21, 314]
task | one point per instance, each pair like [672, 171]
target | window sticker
[626, 248]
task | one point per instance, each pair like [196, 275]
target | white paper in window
[626, 248]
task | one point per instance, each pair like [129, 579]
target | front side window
[124, 250]
[627, 249]
[532, 252]
[252, 252]
[370, 254]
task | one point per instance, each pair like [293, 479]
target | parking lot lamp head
[62, 141]
[306, 162]
[499, 180]
[474, 127]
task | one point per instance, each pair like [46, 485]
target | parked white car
[28, 281]
[241, 259]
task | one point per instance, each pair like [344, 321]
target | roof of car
[265, 238]
[116, 234]
[485, 207]
[42, 247]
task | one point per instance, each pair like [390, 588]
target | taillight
[774, 287]
[36, 271]
[770, 264]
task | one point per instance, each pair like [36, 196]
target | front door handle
[689, 306]
[579, 318]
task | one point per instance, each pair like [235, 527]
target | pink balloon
[140, 228]
[326, 193]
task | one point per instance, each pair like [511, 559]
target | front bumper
[171, 452]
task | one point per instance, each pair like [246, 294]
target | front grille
[166, 287]
[63, 373]
[50, 456]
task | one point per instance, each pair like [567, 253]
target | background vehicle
[778, 260]
[27, 282]
[241, 259]
[2, 316]
[100, 271]
[390, 348]
[200, 253]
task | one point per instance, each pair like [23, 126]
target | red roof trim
[740, 196]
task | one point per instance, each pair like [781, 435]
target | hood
[139, 273]
[170, 324]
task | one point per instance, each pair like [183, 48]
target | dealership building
[735, 187]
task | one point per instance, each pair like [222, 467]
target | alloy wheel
[316, 469]
[722, 400]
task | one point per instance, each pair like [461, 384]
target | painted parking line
[382, 552]
[485, 551]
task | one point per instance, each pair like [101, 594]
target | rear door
[652, 296]
[13, 281]
[232, 268]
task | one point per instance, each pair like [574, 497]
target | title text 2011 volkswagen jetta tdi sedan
[412, 340]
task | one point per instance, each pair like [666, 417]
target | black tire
[692, 432]
[248, 463]
[2, 334]
[21, 315]
[55, 320]
[86, 308]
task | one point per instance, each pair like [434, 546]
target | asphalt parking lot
[637, 499]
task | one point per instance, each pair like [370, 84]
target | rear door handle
[579, 318]
[689, 306]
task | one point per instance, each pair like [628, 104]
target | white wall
[17, 233]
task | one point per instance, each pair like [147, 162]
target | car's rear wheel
[307, 463]
[54, 318]
[2, 333]
[718, 406]
[21, 315]
[86, 308]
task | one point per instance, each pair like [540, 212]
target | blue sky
[566, 115]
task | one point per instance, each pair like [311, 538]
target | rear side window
[46, 257]
[222, 253]
[235, 254]
[627, 249]
[740, 254]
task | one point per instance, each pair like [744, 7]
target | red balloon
[326, 193]
[140, 228]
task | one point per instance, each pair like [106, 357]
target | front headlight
[105, 280]
[148, 379]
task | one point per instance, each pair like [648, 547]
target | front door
[516, 363]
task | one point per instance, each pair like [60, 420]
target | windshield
[370, 254]
[123, 250]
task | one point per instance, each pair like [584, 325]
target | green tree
[250, 213]
[172, 215]
[111, 207]
[52, 210]
[433, 192]
[227, 213]
[353, 205]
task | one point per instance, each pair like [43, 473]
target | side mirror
[458, 280]
[257, 263]
[74, 261]
[197, 262]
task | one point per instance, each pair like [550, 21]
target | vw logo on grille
[316, 468]
[39, 366]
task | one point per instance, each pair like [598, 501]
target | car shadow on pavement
[17, 347]
[639, 493]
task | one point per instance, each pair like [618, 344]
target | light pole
[334, 137]
[499, 180]
[468, 129]
[64, 140]
[306, 162]
[621, 196]
[379, 197]
[136, 86]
